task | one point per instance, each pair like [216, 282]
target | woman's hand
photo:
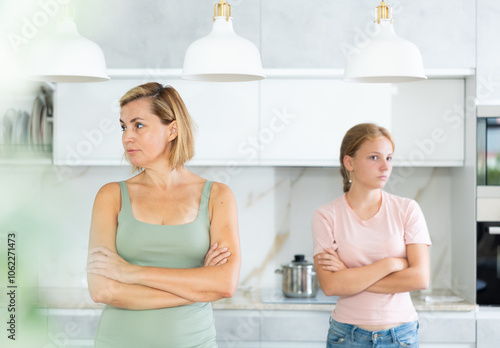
[216, 256]
[109, 264]
[330, 261]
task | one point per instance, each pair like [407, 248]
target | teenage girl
[370, 248]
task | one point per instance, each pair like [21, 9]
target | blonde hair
[167, 104]
[353, 139]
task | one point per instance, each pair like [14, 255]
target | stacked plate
[27, 132]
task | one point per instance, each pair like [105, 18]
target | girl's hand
[399, 263]
[216, 256]
[109, 264]
[331, 261]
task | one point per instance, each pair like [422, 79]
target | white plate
[35, 123]
[8, 124]
[25, 130]
[17, 130]
[46, 127]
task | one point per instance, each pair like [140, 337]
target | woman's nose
[127, 136]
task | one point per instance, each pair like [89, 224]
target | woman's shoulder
[220, 190]
[109, 192]
[109, 188]
[108, 197]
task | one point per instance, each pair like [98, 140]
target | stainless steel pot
[299, 278]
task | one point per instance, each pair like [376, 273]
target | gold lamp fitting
[222, 10]
[383, 12]
[68, 9]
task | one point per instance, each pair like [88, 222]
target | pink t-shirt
[398, 222]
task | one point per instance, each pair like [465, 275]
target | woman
[149, 256]
[370, 248]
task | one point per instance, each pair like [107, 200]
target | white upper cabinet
[87, 129]
[303, 121]
[427, 123]
[226, 117]
[293, 121]
[86, 123]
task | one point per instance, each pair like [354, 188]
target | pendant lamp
[387, 58]
[222, 56]
[66, 56]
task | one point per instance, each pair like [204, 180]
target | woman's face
[371, 166]
[145, 138]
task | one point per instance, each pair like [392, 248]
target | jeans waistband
[349, 329]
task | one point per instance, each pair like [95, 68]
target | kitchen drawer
[447, 327]
[236, 326]
[73, 324]
[295, 326]
[488, 327]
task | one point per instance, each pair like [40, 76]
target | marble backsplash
[50, 209]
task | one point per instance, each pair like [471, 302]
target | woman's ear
[348, 162]
[173, 130]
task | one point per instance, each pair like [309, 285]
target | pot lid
[299, 261]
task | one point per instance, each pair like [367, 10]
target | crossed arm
[116, 282]
[386, 276]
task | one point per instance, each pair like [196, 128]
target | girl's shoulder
[333, 207]
[398, 202]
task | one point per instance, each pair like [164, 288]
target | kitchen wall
[290, 33]
[51, 206]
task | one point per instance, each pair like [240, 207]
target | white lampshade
[10, 67]
[222, 56]
[66, 56]
[387, 58]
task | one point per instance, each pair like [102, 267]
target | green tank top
[169, 246]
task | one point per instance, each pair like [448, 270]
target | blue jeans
[347, 335]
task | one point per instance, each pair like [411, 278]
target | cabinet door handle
[494, 229]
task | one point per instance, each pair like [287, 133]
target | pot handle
[280, 271]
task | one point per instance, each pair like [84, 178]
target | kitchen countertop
[250, 299]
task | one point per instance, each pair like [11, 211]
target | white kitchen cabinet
[488, 327]
[283, 328]
[86, 123]
[227, 117]
[87, 129]
[303, 121]
[428, 123]
[280, 121]
[447, 329]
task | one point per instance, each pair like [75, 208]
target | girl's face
[145, 138]
[371, 166]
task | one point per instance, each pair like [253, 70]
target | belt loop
[352, 333]
[393, 334]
